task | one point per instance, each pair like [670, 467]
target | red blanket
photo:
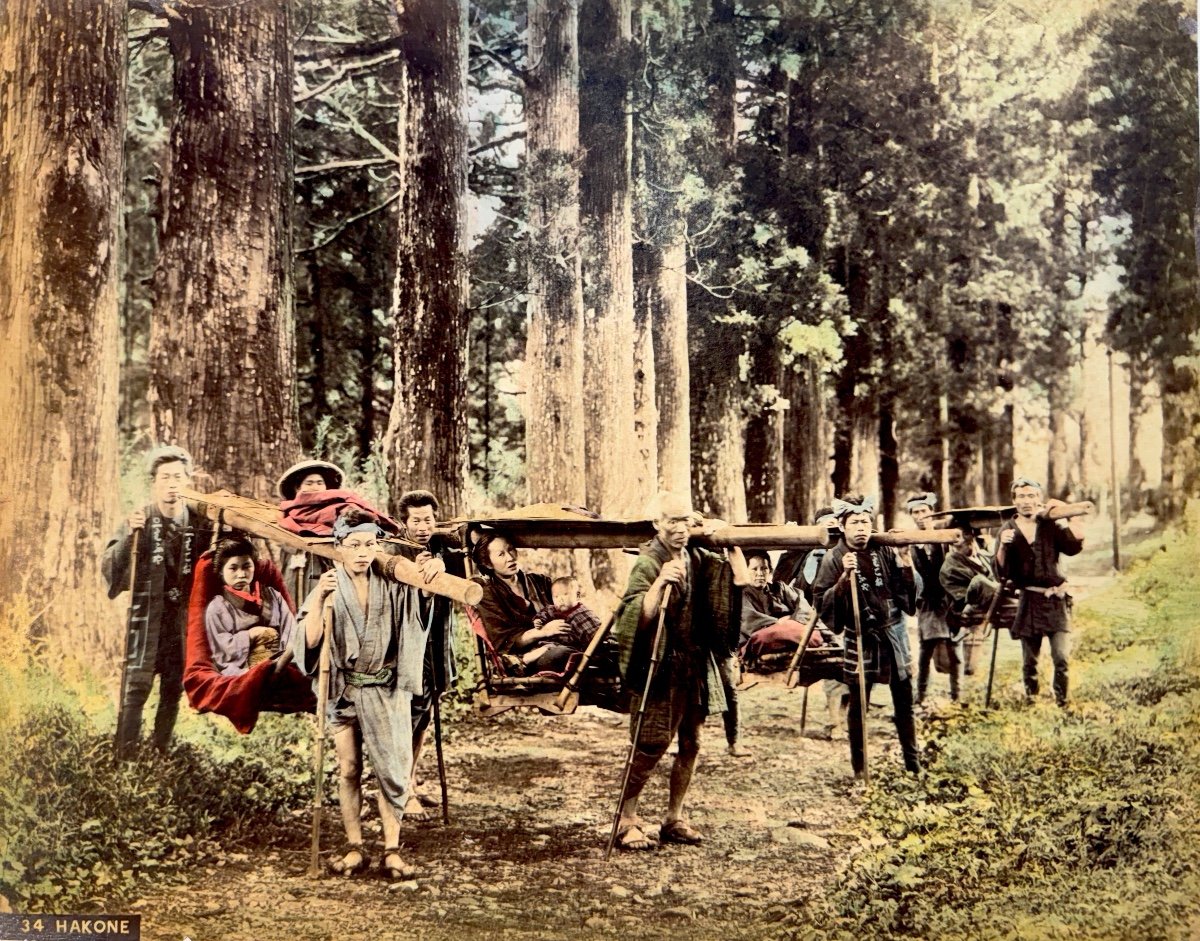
[312, 514]
[238, 698]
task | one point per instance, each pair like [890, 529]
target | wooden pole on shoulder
[314, 862]
[861, 670]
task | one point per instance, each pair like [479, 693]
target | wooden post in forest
[223, 326]
[62, 126]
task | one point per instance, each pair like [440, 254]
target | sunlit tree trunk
[222, 338]
[554, 429]
[62, 122]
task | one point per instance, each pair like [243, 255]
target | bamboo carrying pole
[798, 656]
[916, 537]
[394, 566]
[1066, 511]
[314, 863]
[591, 536]
[571, 687]
[660, 634]
[862, 675]
[133, 556]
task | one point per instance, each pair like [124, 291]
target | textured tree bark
[62, 122]
[426, 440]
[671, 369]
[223, 336]
[606, 208]
[719, 424]
[647, 263]
[554, 429]
[805, 443]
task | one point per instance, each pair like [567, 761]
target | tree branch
[498, 142]
[342, 72]
[333, 165]
[317, 246]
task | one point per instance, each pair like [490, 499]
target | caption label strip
[70, 927]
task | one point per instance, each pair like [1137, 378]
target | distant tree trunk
[1135, 483]
[719, 426]
[222, 340]
[1058, 473]
[554, 428]
[889, 461]
[426, 439]
[62, 124]
[764, 439]
[804, 441]
[646, 265]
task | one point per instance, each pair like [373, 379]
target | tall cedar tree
[426, 442]
[554, 418]
[62, 122]
[221, 346]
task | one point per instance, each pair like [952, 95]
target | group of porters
[356, 623]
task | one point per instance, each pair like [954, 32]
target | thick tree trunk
[554, 428]
[222, 340]
[426, 440]
[62, 123]
[719, 424]
[805, 443]
[660, 283]
[1135, 482]
[606, 208]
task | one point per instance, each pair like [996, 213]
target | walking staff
[660, 636]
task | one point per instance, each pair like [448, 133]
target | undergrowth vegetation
[78, 828]
[1035, 823]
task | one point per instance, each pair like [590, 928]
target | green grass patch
[1037, 823]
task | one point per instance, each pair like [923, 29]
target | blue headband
[924, 499]
[341, 530]
[841, 508]
[1025, 482]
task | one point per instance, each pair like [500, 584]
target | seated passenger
[247, 622]
[582, 622]
[511, 598]
[774, 615]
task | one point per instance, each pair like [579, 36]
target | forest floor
[531, 803]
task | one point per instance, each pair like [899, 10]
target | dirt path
[531, 800]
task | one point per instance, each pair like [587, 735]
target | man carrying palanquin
[377, 655]
[1028, 556]
[933, 628]
[886, 592]
[167, 550]
[439, 552]
[701, 623]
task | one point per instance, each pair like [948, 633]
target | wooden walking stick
[133, 556]
[437, 728]
[862, 676]
[314, 864]
[660, 636]
[987, 699]
[798, 656]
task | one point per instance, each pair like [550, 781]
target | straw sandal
[396, 873]
[343, 868]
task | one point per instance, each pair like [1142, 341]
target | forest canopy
[583, 250]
